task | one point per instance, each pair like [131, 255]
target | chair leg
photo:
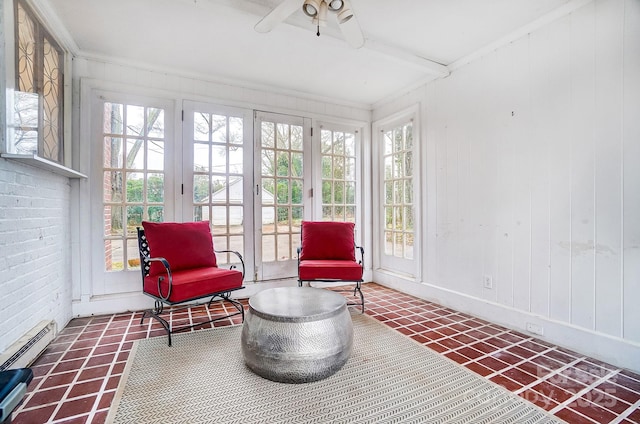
[356, 290]
[166, 326]
[155, 314]
[144, 315]
[359, 290]
[159, 308]
[236, 304]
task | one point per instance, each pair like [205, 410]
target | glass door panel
[280, 175]
[397, 208]
[133, 181]
[216, 160]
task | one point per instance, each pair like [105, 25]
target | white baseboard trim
[612, 350]
[136, 301]
[110, 304]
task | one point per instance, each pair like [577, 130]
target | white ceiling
[407, 41]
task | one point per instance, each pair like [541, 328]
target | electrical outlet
[535, 329]
[487, 282]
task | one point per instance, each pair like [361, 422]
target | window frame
[8, 52]
[42, 36]
[105, 281]
[222, 235]
[408, 268]
[142, 140]
[355, 178]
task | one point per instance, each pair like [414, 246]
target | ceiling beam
[409, 58]
[431, 67]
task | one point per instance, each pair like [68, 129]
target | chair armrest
[361, 249]
[239, 257]
[164, 263]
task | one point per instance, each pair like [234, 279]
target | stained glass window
[38, 100]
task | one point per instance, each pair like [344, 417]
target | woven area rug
[389, 379]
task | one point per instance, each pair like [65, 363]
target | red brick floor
[77, 376]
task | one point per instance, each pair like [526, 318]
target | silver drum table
[296, 334]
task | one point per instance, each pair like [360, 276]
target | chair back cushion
[185, 245]
[328, 240]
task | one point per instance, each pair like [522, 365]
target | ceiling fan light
[335, 5]
[322, 14]
[311, 8]
[344, 15]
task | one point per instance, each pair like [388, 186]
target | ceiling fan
[317, 10]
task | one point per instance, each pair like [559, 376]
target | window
[133, 178]
[38, 100]
[398, 191]
[338, 150]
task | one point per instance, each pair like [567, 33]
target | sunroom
[486, 152]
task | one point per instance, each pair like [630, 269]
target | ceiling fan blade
[352, 32]
[277, 15]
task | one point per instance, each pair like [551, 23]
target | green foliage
[135, 194]
[135, 190]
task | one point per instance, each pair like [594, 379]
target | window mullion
[38, 76]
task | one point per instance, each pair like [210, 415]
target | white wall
[35, 259]
[208, 89]
[532, 178]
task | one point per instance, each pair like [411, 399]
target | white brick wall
[35, 280]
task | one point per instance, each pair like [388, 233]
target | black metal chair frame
[160, 302]
[357, 289]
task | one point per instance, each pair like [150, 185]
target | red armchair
[328, 254]
[179, 266]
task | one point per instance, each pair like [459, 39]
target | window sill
[38, 162]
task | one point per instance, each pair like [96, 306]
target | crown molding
[52, 22]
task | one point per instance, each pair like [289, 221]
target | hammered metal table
[296, 334]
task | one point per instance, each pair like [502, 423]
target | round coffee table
[296, 334]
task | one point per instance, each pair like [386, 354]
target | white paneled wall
[630, 185]
[533, 178]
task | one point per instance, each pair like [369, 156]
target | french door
[133, 177]
[216, 182]
[250, 174]
[282, 198]
[254, 197]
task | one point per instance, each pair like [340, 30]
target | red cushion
[184, 245]
[328, 240]
[195, 283]
[330, 270]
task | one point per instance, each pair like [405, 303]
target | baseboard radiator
[22, 353]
